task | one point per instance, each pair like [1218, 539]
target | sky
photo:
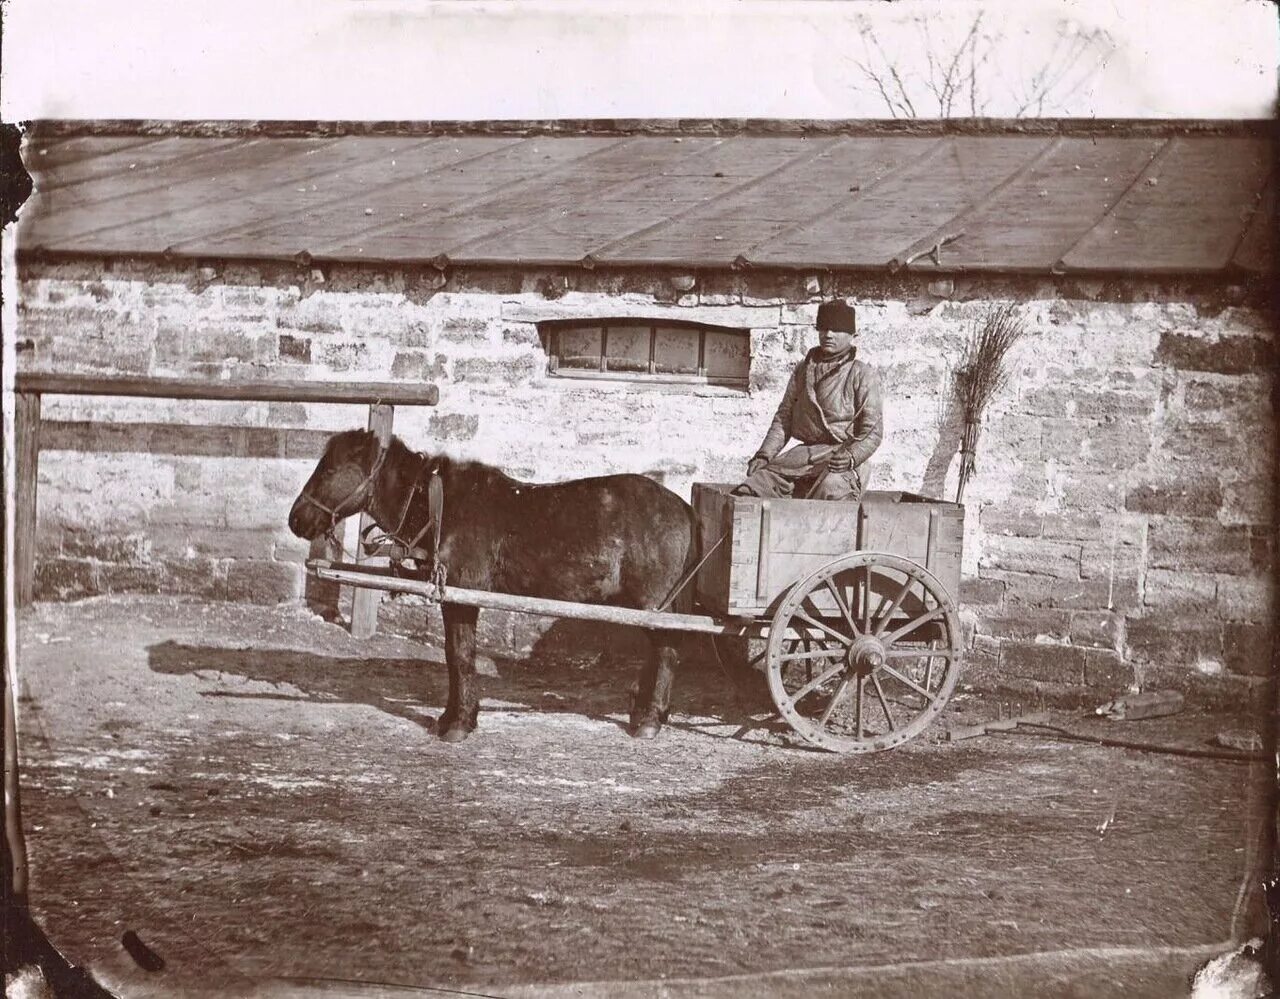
[465, 59]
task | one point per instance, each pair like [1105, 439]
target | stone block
[294, 348]
[1012, 522]
[96, 544]
[1048, 400]
[1188, 495]
[1246, 598]
[514, 370]
[1173, 639]
[320, 312]
[261, 582]
[1037, 556]
[1118, 594]
[288, 414]
[1097, 629]
[116, 577]
[1107, 671]
[418, 365]
[342, 356]
[1027, 624]
[453, 426]
[465, 330]
[1249, 649]
[1172, 591]
[1045, 662]
[1199, 545]
[976, 592]
[1128, 407]
[1093, 444]
[1229, 355]
[1102, 560]
[65, 578]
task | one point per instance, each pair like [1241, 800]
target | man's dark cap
[838, 316]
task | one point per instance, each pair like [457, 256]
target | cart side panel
[930, 533]
[727, 581]
[804, 535]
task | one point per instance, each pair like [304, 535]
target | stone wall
[1120, 527]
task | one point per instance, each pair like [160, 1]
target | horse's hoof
[455, 734]
[649, 730]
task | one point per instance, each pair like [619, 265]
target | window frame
[549, 331]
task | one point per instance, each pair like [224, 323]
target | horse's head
[341, 485]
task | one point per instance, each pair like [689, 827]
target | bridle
[358, 497]
[353, 501]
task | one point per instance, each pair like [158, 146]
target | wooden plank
[123, 217]
[1030, 223]
[881, 224]
[1187, 215]
[56, 153]
[27, 430]
[364, 607]
[144, 164]
[393, 393]
[788, 200]
[359, 201]
[1256, 251]
[665, 620]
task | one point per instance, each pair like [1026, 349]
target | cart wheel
[864, 653]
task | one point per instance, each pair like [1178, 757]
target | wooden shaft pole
[27, 428]
[663, 620]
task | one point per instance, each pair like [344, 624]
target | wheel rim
[864, 653]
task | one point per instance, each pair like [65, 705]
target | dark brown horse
[616, 539]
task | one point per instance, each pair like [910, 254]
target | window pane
[580, 347]
[728, 355]
[676, 351]
[628, 348]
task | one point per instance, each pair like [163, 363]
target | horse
[622, 540]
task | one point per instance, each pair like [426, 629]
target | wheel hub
[865, 655]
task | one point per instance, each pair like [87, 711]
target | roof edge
[58, 128]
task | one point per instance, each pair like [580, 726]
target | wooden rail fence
[30, 387]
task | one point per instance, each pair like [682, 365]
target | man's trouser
[801, 473]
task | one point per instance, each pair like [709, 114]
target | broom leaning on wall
[980, 375]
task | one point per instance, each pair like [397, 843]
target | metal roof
[1012, 203]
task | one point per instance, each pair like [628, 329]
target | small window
[673, 351]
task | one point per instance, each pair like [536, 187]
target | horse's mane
[477, 472]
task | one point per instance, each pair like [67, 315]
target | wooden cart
[857, 603]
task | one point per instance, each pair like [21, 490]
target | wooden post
[322, 595]
[364, 605]
[27, 429]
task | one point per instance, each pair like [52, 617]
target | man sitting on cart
[832, 407]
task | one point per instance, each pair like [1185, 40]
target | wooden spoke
[814, 684]
[862, 682]
[842, 639]
[933, 615]
[901, 653]
[788, 657]
[866, 603]
[883, 703]
[897, 602]
[844, 608]
[835, 699]
[910, 683]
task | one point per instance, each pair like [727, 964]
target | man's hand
[755, 464]
[839, 462]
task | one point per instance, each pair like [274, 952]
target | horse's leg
[653, 700]
[459, 718]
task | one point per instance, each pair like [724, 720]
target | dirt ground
[261, 798]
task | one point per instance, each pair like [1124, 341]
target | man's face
[835, 341]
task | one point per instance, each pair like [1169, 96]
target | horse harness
[404, 550]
